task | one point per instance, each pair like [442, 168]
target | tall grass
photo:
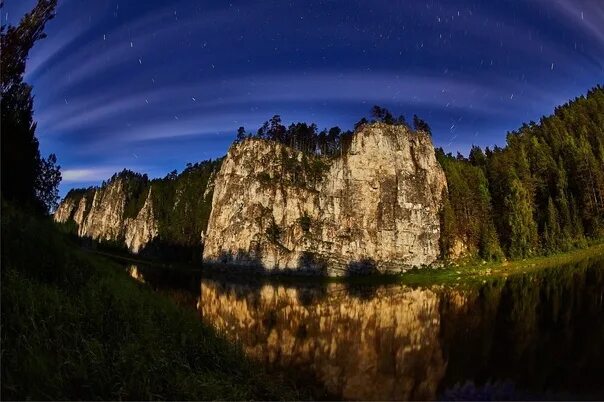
[75, 326]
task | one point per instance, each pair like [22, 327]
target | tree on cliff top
[421, 125]
[27, 178]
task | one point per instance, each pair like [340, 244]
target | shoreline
[476, 271]
[464, 272]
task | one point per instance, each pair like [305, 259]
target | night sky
[151, 85]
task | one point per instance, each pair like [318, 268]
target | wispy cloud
[88, 174]
[118, 79]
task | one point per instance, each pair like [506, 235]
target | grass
[75, 326]
[472, 271]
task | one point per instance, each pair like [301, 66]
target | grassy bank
[472, 271]
[74, 326]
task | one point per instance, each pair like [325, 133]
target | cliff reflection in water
[538, 335]
[384, 347]
[535, 335]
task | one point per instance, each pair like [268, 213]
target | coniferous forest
[542, 193]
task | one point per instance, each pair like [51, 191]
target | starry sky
[151, 85]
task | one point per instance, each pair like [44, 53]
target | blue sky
[151, 85]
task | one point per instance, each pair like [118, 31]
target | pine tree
[522, 227]
[552, 231]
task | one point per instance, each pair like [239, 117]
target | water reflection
[135, 273]
[530, 336]
[385, 347]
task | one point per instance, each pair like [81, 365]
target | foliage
[541, 194]
[421, 125]
[136, 188]
[47, 182]
[264, 178]
[182, 205]
[331, 142]
[26, 177]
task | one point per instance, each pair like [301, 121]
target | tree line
[306, 137]
[542, 193]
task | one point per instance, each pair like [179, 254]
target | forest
[542, 193]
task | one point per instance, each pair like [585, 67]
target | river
[528, 336]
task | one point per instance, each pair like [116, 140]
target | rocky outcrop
[142, 229]
[65, 210]
[105, 220]
[375, 207]
[153, 217]
[99, 215]
[75, 207]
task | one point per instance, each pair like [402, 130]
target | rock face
[163, 218]
[99, 214]
[376, 207]
[142, 229]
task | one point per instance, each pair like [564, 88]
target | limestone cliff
[375, 207]
[99, 214]
[142, 229]
[160, 217]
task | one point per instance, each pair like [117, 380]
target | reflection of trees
[544, 330]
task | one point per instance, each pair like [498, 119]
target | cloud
[89, 174]
[192, 108]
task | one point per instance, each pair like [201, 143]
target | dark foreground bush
[74, 326]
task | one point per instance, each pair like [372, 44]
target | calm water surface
[532, 336]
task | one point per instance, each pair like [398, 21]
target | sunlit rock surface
[376, 207]
[99, 214]
[142, 229]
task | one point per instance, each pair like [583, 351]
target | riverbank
[468, 271]
[75, 326]
[472, 271]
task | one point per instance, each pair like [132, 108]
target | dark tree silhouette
[23, 170]
[382, 114]
[241, 135]
[421, 125]
[360, 123]
[47, 184]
